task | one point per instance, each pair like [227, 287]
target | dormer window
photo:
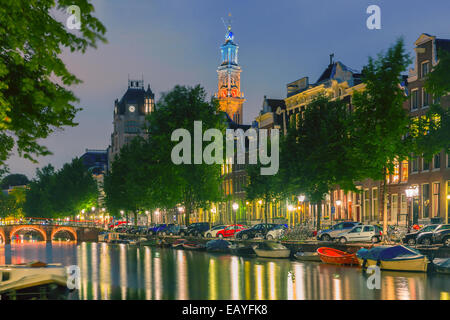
[425, 68]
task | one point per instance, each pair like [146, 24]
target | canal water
[130, 272]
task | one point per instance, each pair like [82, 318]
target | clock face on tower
[131, 108]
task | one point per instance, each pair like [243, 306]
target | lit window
[414, 164]
[437, 161]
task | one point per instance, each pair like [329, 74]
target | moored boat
[441, 265]
[398, 258]
[218, 245]
[271, 250]
[334, 256]
[178, 244]
[193, 246]
[33, 280]
[307, 256]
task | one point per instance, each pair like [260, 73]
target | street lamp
[411, 192]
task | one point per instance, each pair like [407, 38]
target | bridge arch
[68, 229]
[28, 227]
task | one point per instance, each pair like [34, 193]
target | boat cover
[217, 244]
[386, 253]
[270, 246]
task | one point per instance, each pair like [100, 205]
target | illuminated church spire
[229, 92]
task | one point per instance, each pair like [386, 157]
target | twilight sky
[173, 42]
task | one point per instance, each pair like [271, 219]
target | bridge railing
[52, 222]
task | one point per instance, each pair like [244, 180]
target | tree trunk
[319, 211]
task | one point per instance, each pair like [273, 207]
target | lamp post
[411, 192]
[301, 199]
[181, 210]
[235, 208]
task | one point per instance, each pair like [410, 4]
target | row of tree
[335, 144]
[332, 144]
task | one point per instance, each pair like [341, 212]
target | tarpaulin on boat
[386, 253]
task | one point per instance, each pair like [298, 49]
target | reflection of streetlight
[448, 197]
[301, 198]
[290, 207]
[338, 202]
[235, 208]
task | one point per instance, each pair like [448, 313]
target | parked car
[334, 231]
[230, 230]
[196, 229]
[442, 235]
[212, 233]
[411, 238]
[426, 238]
[277, 232]
[156, 228]
[258, 230]
[361, 233]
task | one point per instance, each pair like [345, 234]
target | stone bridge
[48, 232]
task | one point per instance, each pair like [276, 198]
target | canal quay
[147, 272]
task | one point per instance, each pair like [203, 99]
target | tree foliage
[35, 98]
[431, 133]
[62, 193]
[381, 122]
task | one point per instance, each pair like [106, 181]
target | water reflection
[127, 272]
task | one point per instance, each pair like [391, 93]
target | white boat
[271, 250]
[34, 280]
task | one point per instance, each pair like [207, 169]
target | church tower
[130, 113]
[229, 92]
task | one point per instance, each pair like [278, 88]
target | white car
[212, 233]
[277, 232]
[361, 233]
